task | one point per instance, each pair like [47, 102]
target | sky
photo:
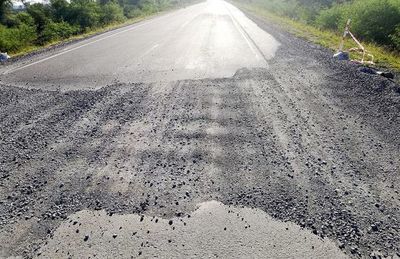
[18, 4]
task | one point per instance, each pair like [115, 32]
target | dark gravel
[310, 140]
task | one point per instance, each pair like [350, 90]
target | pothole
[213, 230]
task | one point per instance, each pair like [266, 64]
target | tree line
[40, 24]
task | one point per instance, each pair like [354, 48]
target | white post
[346, 31]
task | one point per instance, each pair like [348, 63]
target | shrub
[375, 20]
[147, 6]
[41, 15]
[84, 13]
[287, 8]
[57, 31]
[333, 18]
[59, 9]
[15, 20]
[4, 9]
[112, 12]
[372, 20]
[14, 39]
[24, 18]
[395, 38]
[134, 12]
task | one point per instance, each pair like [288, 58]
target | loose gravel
[309, 140]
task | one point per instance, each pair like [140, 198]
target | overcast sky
[17, 3]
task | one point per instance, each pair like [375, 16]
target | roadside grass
[384, 58]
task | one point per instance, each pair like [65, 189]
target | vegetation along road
[201, 132]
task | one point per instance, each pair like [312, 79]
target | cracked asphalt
[307, 140]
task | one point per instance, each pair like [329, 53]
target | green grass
[383, 57]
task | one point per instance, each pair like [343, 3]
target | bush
[57, 31]
[147, 7]
[287, 8]
[41, 15]
[59, 9]
[333, 18]
[15, 20]
[112, 12]
[84, 13]
[14, 39]
[4, 9]
[395, 38]
[375, 20]
[372, 20]
[134, 12]
[24, 18]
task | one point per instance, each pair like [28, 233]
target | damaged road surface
[237, 141]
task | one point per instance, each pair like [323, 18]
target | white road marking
[184, 24]
[149, 50]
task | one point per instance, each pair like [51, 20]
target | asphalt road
[210, 39]
[211, 134]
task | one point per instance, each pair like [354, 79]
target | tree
[41, 14]
[5, 6]
[112, 12]
[85, 13]
[60, 9]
